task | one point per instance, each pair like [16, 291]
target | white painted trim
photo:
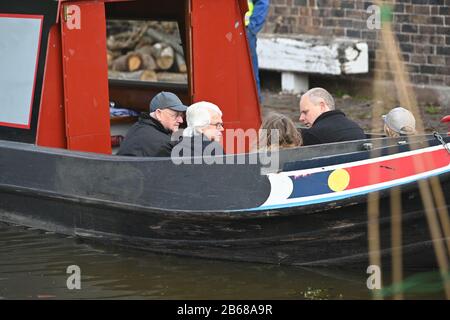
[360, 162]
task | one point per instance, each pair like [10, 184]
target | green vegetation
[339, 93]
[432, 109]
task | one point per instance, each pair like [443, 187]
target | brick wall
[422, 28]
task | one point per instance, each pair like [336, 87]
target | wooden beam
[319, 55]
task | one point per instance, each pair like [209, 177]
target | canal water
[33, 265]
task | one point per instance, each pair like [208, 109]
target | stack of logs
[146, 51]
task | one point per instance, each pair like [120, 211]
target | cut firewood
[166, 59]
[147, 49]
[110, 58]
[129, 62]
[149, 75]
[172, 77]
[169, 27]
[171, 40]
[127, 39]
[181, 63]
[164, 56]
[145, 41]
[137, 45]
[157, 48]
[148, 62]
[120, 64]
[143, 75]
[134, 61]
[120, 41]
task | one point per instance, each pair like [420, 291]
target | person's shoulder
[153, 131]
[333, 114]
[335, 118]
[310, 136]
[145, 132]
[140, 126]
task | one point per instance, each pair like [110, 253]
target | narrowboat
[304, 206]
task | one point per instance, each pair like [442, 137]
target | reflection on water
[33, 265]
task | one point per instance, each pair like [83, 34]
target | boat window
[144, 58]
[149, 51]
[19, 46]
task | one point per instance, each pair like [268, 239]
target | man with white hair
[324, 123]
[203, 134]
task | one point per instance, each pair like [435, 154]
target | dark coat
[332, 126]
[197, 146]
[147, 138]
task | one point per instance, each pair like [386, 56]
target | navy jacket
[258, 17]
[332, 126]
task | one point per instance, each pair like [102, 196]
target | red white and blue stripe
[337, 182]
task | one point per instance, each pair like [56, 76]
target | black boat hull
[336, 237]
[69, 193]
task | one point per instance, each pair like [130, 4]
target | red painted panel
[51, 126]
[222, 64]
[86, 76]
[397, 168]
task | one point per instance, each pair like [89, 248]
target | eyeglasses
[174, 114]
[218, 125]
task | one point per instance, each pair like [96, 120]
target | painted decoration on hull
[323, 184]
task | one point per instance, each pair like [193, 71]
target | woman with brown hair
[278, 132]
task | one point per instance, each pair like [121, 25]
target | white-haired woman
[203, 133]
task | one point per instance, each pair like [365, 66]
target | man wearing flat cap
[151, 135]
